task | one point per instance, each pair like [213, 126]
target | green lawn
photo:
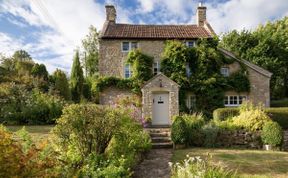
[248, 163]
[37, 132]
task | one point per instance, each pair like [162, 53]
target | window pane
[231, 100]
[226, 100]
[188, 70]
[192, 101]
[128, 72]
[125, 46]
[225, 71]
[155, 68]
[190, 44]
[235, 102]
[134, 45]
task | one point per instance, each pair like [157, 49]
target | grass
[248, 163]
[37, 132]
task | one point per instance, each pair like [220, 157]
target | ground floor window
[127, 71]
[234, 100]
[191, 101]
[156, 68]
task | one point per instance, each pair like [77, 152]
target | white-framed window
[156, 67]
[190, 44]
[128, 46]
[234, 100]
[188, 70]
[225, 71]
[127, 71]
[191, 101]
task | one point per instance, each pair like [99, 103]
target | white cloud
[68, 23]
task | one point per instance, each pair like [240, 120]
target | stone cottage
[160, 98]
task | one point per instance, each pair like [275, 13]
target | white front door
[160, 112]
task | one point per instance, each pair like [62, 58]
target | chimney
[201, 14]
[110, 13]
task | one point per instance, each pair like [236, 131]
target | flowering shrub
[195, 167]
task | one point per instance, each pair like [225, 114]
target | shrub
[210, 132]
[222, 114]
[178, 130]
[194, 123]
[197, 167]
[20, 106]
[279, 103]
[251, 120]
[272, 134]
[21, 158]
[279, 115]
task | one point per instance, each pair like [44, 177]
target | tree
[266, 46]
[22, 55]
[39, 70]
[91, 49]
[61, 84]
[77, 79]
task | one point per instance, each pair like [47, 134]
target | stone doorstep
[161, 139]
[162, 145]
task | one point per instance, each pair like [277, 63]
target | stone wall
[110, 95]
[239, 138]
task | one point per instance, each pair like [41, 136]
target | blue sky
[50, 30]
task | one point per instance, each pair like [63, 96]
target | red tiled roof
[154, 31]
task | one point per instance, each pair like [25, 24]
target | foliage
[279, 103]
[272, 134]
[210, 132]
[61, 84]
[266, 47]
[178, 130]
[251, 119]
[39, 70]
[22, 55]
[20, 106]
[238, 81]
[76, 79]
[141, 65]
[205, 81]
[279, 115]
[222, 114]
[99, 141]
[194, 123]
[125, 84]
[21, 158]
[91, 52]
[197, 167]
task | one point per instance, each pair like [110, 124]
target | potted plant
[271, 135]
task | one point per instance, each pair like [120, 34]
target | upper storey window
[225, 71]
[190, 44]
[128, 46]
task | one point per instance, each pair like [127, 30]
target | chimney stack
[201, 14]
[110, 13]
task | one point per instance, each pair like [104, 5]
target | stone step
[162, 145]
[158, 130]
[160, 139]
[161, 134]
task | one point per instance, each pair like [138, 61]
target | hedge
[279, 115]
[222, 114]
[279, 103]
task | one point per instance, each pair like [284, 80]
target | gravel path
[155, 165]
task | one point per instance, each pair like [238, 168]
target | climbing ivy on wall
[142, 71]
[204, 80]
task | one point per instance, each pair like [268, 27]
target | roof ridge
[157, 24]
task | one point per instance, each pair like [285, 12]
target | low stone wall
[111, 94]
[239, 138]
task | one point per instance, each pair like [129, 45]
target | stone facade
[160, 83]
[112, 60]
[110, 95]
